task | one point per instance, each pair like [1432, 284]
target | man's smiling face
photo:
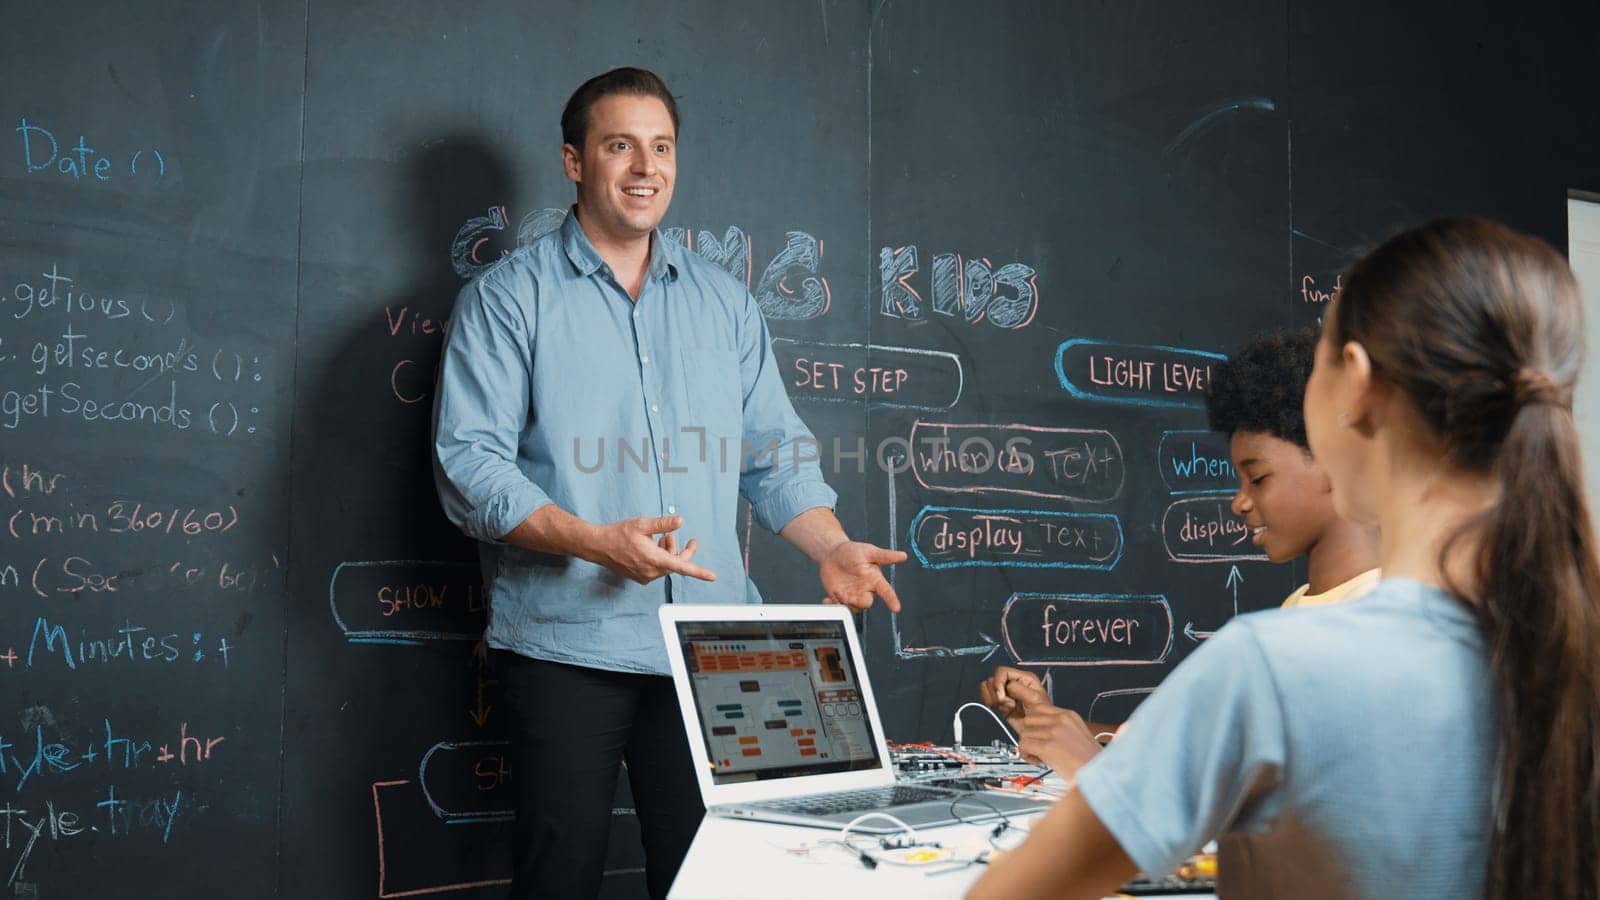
[627, 167]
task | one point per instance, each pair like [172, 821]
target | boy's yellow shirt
[1339, 593]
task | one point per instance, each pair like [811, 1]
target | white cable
[876, 858]
[955, 724]
[844, 833]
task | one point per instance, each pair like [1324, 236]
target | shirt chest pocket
[715, 391]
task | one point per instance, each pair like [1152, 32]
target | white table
[733, 859]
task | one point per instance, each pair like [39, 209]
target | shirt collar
[587, 260]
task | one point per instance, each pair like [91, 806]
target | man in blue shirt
[604, 400]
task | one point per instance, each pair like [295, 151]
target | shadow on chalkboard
[374, 400]
[459, 214]
[454, 181]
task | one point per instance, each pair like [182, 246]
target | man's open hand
[851, 576]
[629, 547]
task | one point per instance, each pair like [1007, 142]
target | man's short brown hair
[626, 80]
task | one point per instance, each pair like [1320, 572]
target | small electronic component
[932, 758]
[1197, 874]
[969, 768]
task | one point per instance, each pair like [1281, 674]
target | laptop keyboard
[863, 800]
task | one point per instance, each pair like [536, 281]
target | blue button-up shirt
[556, 387]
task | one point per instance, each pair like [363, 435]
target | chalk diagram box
[407, 601]
[1087, 629]
[885, 376]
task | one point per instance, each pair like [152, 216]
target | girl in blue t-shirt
[1439, 737]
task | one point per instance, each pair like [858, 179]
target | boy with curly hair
[1256, 398]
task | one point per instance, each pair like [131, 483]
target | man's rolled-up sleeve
[480, 410]
[779, 474]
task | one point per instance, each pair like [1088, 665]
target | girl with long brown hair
[1439, 736]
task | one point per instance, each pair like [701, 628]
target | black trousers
[571, 727]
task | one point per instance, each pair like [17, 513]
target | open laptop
[783, 726]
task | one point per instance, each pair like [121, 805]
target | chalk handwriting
[128, 645]
[1087, 629]
[41, 152]
[1062, 463]
[1195, 461]
[792, 285]
[895, 377]
[1311, 293]
[121, 517]
[57, 293]
[970, 289]
[1204, 530]
[23, 480]
[947, 537]
[21, 827]
[1140, 375]
[32, 755]
[465, 781]
[407, 602]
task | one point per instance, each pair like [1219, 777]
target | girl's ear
[1362, 393]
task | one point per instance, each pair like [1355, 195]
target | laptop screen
[777, 699]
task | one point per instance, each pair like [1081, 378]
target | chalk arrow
[480, 659]
[984, 650]
[1194, 634]
[480, 716]
[1234, 580]
[480, 712]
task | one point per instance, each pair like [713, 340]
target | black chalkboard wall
[236, 634]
